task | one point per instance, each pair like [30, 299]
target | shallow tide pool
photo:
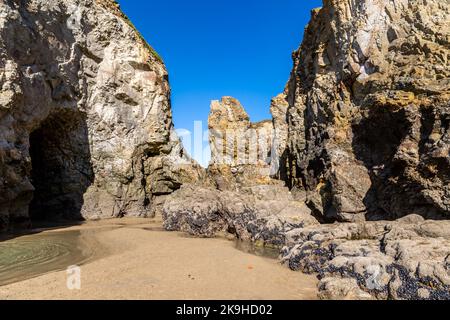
[32, 255]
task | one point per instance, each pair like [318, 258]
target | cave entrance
[61, 167]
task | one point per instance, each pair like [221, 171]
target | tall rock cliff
[361, 133]
[240, 149]
[369, 111]
[85, 120]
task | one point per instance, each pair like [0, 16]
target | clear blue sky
[215, 48]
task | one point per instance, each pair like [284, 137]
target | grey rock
[240, 150]
[389, 260]
[364, 140]
[85, 122]
[365, 147]
[341, 289]
[207, 212]
[278, 162]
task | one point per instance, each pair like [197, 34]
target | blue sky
[221, 48]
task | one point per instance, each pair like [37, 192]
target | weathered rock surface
[406, 259]
[240, 150]
[262, 214]
[361, 133]
[368, 116]
[390, 260]
[85, 119]
[341, 289]
[368, 139]
[234, 139]
[279, 157]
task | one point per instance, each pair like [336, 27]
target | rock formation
[350, 180]
[278, 162]
[361, 139]
[262, 214]
[240, 150]
[85, 120]
[403, 259]
[368, 114]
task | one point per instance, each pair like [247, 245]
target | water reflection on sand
[32, 255]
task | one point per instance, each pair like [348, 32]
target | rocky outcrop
[368, 139]
[240, 150]
[406, 259]
[368, 114]
[279, 157]
[345, 180]
[262, 214]
[85, 120]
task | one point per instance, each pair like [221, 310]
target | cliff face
[240, 149]
[369, 111]
[85, 119]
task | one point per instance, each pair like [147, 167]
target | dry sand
[136, 259]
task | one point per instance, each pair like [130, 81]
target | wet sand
[137, 259]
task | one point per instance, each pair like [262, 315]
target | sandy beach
[137, 259]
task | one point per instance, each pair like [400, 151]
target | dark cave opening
[376, 140]
[394, 194]
[61, 167]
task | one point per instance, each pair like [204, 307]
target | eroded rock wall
[241, 150]
[85, 120]
[368, 114]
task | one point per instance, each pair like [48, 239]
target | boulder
[250, 216]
